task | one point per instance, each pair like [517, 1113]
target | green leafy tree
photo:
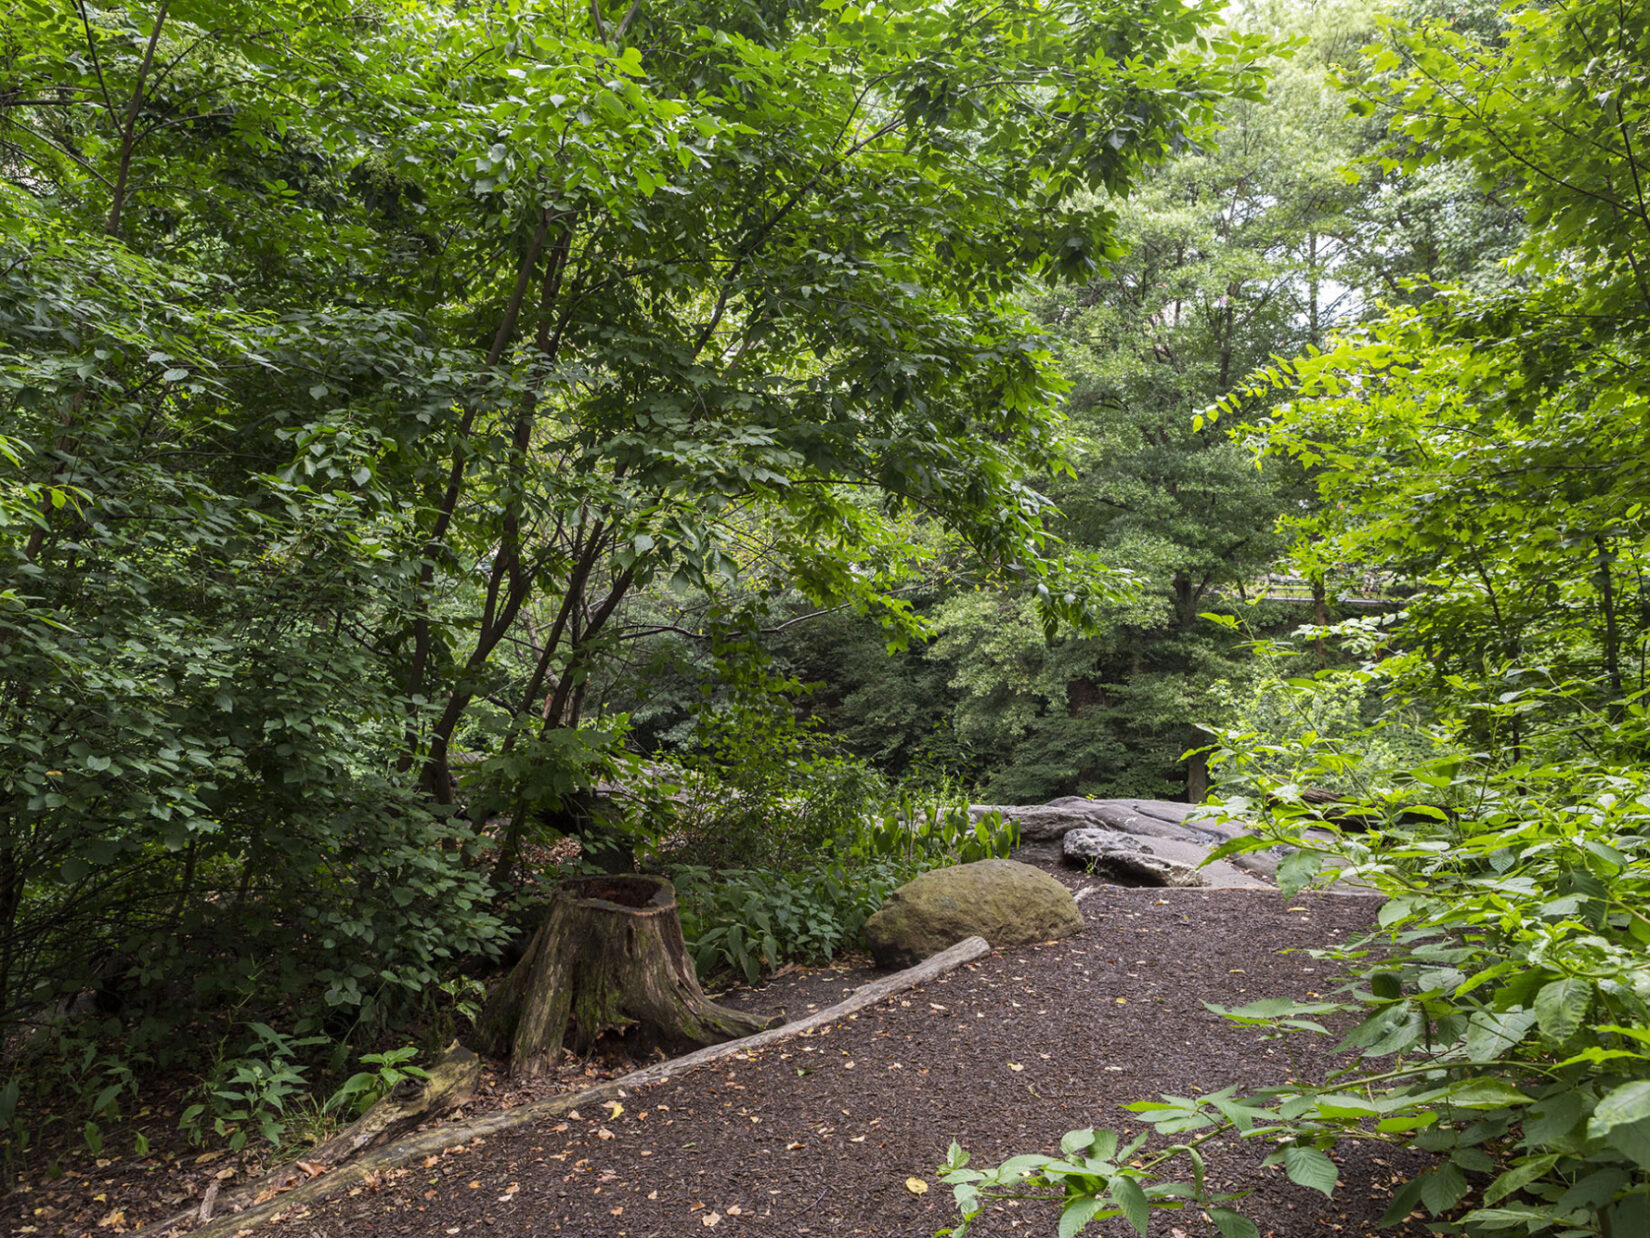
[358, 364]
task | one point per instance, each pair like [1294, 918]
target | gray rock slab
[1122, 859]
[1175, 834]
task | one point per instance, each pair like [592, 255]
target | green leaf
[1132, 1200]
[1232, 1224]
[1561, 1006]
[1310, 1168]
[1403, 1202]
[1296, 871]
[1443, 1188]
[1624, 1105]
[1487, 1092]
[1632, 1139]
[1077, 1214]
[1073, 1142]
[1520, 1175]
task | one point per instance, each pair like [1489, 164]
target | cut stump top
[638, 893]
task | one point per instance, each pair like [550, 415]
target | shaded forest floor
[818, 1135]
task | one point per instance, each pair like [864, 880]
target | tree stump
[609, 958]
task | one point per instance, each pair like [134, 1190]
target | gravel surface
[819, 1135]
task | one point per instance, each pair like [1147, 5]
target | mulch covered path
[818, 1135]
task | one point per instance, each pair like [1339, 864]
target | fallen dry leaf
[794, 1147]
[711, 1220]
[1015, 1067]
[615, 1107]
[916, 1186]
[604, 1133]
[313, 1168]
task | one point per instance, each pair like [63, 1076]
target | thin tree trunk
[128, 134]
[1612, 636]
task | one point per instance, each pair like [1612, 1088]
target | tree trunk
[609, 958]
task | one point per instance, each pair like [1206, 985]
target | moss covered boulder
[1005, 902]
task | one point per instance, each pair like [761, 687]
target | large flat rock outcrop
[1138, 842]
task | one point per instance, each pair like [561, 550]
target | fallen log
[438, 1139]
[411, 1103]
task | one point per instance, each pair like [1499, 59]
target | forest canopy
[426, 426]
[360, 363]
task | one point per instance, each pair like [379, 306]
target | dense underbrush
[1500, 1009]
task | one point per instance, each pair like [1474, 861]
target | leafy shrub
[1502, 1006]
[365, 1088]
[743, 920]
[932, 834]
[250, 1092]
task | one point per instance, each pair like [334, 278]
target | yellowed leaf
[916, 1186]
[615, 1109]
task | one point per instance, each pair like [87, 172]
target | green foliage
[250, 1093]
[1092, 1179]
[1484, 450]
[1501, 1006]
[357, 365]
[745, 921]
[931, 829]
[1350, 723]
[365, 1088]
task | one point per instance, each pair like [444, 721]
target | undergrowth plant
[930, 830]
[749, 920]
[1499, 1010]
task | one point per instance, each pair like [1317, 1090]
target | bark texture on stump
[609, 958]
